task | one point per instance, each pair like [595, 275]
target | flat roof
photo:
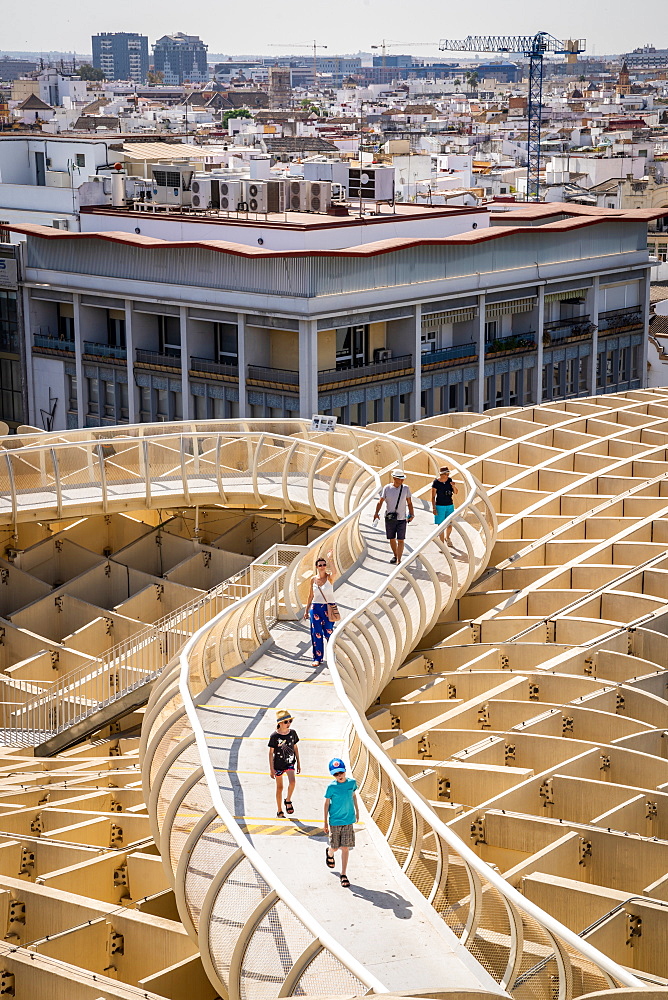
[297, 221]
[580, 218]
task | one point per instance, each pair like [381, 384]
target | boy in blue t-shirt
[341, 811]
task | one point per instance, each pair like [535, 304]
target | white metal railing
[527, 951]
[227, 927]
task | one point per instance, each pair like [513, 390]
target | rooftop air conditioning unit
[320, 196]
[171, 183]
[201, 190]
[297, 196]
[60, 224]
[371, 183]
[229, 194]
[262, 196]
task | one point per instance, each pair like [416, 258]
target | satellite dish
[364, 179]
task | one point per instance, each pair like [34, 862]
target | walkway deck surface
[382, 920]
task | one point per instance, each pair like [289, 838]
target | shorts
[443, 512]
[395, 529]
[341, 836]
[277, 774]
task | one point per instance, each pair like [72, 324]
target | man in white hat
[397, 497]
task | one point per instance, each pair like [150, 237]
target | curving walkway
[383, 921]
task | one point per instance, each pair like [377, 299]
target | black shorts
[395, 529]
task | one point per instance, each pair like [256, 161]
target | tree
[238, 113]
[88, 72]
[472, 80]
[155, 77]
[458, 83]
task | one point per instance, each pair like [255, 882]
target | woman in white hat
[397, 496]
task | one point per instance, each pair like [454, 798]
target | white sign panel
[320, 423]
[8, 274]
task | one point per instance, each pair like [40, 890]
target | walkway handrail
[383, 785]
[215, 649]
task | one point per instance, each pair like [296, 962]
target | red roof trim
[580, 221]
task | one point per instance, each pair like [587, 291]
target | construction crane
[306, 45]
[534, 47]
[385, 45]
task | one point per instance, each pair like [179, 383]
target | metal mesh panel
[193, 806]
[209, 853]
[491, 943]
[538, 975]
[424, 865]
[235, 901]
[326, 976]
[454, 897]
[587, 977]
[185, 764]
[402, 834]
[276, 944]
[369, 790]
[169, 739]
[385, 807]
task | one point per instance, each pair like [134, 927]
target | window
[109, 391]
[162, 412]
[428, 340]
[609, 368]
[227, 343]
[352, 345]
[610, 204]
[9, 331]
[115, 328]
[571, 376]
[123, 400]
[66, 322]
[93, 396]
[583, 378]
[169, 335]
[491, 328]
[11, 397]
[4, 235]
[81, 159]
[72, 394]
[145, 404]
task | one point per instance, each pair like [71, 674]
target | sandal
[280, 814]
[289, 808]
[344, 881]
[329, 858]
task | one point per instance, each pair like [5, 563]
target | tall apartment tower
[121, 55]
[181, 58]
[280, 87]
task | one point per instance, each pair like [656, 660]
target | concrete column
[540, 329]
[133, 389]
[186, 402]
[593, 297]
[82, 393]
[308, 368]
[416, 409]
[27, 350]
[645, 303]
[243, 369]
[480, 402]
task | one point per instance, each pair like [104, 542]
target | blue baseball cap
[336, 766]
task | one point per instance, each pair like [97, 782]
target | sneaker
[393, 559]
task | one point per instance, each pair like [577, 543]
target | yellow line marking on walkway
[267, 680]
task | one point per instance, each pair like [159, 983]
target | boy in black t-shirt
[442, 504]
[284, 759]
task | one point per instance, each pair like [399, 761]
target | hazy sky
[344, 26]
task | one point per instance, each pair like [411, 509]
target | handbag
[333, 613]
[391, 515]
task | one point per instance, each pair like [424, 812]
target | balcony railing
[448, 354]
[516, 342]
[370, 368]
[278, 375]
[49, 343]
[104, 350]
[157, 358]
[333, 375]
[568, 329]
[206, 366]
[619, 319]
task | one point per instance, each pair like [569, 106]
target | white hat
[398, 474]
